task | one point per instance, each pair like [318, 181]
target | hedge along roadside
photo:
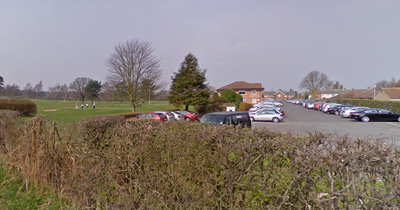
[393, 106]
[105, 162]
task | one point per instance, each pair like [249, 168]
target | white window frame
[254, 92]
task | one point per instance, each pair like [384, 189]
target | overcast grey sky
[273, 42]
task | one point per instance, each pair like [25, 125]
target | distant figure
[76, 106]
[82, 106]
[94, 105]
[87, 106]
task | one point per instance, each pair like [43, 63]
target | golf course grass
[66, 112]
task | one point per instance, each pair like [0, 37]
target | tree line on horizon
[134, 75]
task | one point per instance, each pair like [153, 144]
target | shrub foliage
[23, 106]
[105, 162]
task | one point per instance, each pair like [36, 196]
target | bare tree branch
[131, 63]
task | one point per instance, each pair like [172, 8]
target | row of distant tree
[315, 81]
[134, 75]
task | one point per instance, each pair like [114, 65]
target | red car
[150, 115]
[188, 115]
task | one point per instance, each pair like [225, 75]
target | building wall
[248, 96]
[280, 96]
[382, 96]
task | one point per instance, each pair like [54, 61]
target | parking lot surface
[302, 121]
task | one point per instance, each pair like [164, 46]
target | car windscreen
[212, 119]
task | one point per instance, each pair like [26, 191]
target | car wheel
[252, 119]
[365, 119]
[187, 119]
[275, 120]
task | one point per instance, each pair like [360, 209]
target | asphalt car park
[303, 121]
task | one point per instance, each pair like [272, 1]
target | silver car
[346, 113]
[267, 115]
[178, 116]
[169, 115]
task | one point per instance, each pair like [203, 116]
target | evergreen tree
[229, 95]
[92, 90]
[215, 96]
[188, 85]
[1, 82]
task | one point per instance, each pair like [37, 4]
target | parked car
[329, 106]
[278, 103]
[346, 112]
[240, 119]
[188, 115]
[267, 115]
[317, 105]
[178, 116]
[273, 108]
[170, 116]
[338, 109]
[150, 116]
[334, 109]
[375, 115]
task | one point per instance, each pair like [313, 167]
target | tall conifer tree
[189, 84]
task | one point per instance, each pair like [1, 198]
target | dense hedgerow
[23, 106]
[393, 106]
[108, 163]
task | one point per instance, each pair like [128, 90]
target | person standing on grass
[76, 106]
[82, 106]
[94, 105]
[87, 106]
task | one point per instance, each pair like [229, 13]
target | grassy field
[66, 112]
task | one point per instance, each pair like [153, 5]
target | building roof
[393, 93]
[242, 85]
[357, 94]
[338, 91]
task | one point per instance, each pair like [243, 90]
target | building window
[244, 99]
[279, 95]
[242, 92]
[254, 92]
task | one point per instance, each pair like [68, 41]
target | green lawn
[66, 112]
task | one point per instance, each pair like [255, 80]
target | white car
[267, 115]
[310, 105]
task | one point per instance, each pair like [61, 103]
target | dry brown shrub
[104, 162]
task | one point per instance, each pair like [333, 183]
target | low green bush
[24, 106]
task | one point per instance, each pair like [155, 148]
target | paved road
[301, 120]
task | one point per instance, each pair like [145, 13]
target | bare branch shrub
[105, 162]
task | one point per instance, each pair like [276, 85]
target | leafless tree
[54, 92]
[28, 90]
[78, 87]
[64, 91]
[108, 91]
[130, 64]
[315, 80]
[337, 86]
[12, 90]
[38, 89]
[382, 84]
